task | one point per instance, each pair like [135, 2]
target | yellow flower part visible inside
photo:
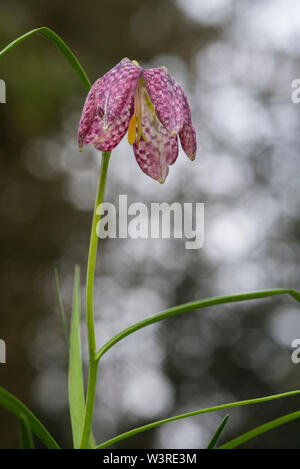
[132, 130]
[135, 128]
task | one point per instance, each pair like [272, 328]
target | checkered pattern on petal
[108, 139]
[188, 140]
[187, 134]
[117, 88]
[109, 107]
[166, 97]
[161, 149]
[108, 98]
[88, 113]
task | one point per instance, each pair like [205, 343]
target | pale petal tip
[164, 68]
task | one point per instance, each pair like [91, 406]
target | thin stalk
[93, 362]
[194, 305]
[260, 430]
[231, 405]
[89, 406]
[50, 34]
[92, 256]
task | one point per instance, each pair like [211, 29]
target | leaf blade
[76, 386]
[16, 407]
[260, 430]
[199, 304]
[25, 435]
[60, 305]
[157, 423]
[216, 436]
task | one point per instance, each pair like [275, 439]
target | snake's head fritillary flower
[150, 105]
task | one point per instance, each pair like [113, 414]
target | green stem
[93, 255]
[60, 44]
[93, 361]
[231, 405]
[176, 310]
[260, 430]
[89, 406]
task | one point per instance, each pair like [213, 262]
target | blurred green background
[236, 61]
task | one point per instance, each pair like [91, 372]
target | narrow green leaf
[92, 442]
[260, 430]
[218, 300]
[215, 438]
[60, 44]
[16, 407]
[76, 387]
[61, 306]
[26, 440]
[137, 430]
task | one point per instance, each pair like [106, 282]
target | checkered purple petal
[88, 113]
[166, 97]
[188, 140]
[108, 98]
[187, 134]
[161, 149]
[108, 139]
[109, 107]
[117, 88]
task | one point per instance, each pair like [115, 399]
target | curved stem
[60, 44]
[93, 362]
[231, 405]
[218, 300]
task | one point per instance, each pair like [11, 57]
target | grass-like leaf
[260, 430]
[61, 306]
[60, 44]
[26, 440]
[16, 407]
[76, 387]
[218, 300]
[137, 430]
[215, 438]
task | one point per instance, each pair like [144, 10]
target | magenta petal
[88, 113]
[188, 140]
[161, 149]
[187, 134]
[108, 139]
[166, 97]
[104, 118]
[117, 88]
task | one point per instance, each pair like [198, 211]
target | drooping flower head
[150, 105]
